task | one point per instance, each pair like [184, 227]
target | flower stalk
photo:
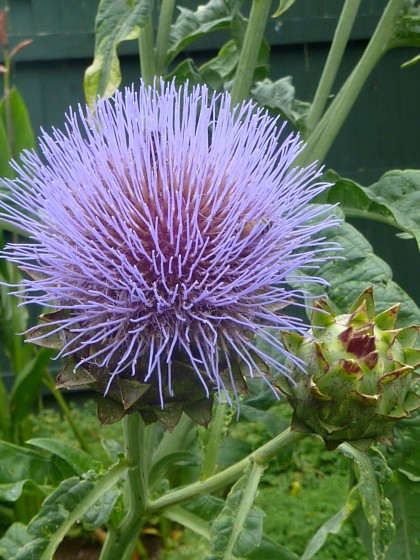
[162, 38]
[121, 541]
[325, 132]
[250, 49]
[213, 439]
[147, 54]
[262, 456]
[341, 37]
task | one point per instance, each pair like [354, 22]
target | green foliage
[116, 21]
[16, 132]
[394, 199]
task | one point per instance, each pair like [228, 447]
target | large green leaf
[246, 537]
[394, 199]
[71, 501]
[192, 25]
[116, 21]
[76, 458]
[357, 269]
[20, 467]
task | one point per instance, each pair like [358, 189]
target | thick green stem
[338, 45]
[162, 39]
[175, 441]
[121, 541]
[250, 49]
[214, 437]
[226, 477]
[147, 54]
[327, 129]
[245, 505]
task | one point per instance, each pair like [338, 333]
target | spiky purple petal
[167, 222]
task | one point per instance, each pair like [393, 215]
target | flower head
[165, 228]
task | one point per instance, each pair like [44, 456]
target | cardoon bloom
[165, 227]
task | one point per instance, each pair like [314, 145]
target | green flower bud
[360, 373]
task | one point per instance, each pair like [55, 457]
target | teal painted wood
[64, 28]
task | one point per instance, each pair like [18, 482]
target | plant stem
[50, 384]
[214, 437]
[121, 541]
[327, 129]
[250, 50]
[162, 39]
[245, 505]
[338, 45]
[226, 477]
[100, 488]
[147, 54]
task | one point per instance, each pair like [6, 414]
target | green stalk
[214, 437]
[244, 507]
[226, 477]
[249, 53]
[5, 421]
[147, 54]
[327, 129]
[162, 39]
[121, 541]
[335, 55]
[100, 488]
[50, 384]
[173, 442]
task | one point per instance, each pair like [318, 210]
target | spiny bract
[360, 373]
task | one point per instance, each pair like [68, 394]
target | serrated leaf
[20, 466]
[225, 532]
[279, 96]
[68, 503]
[78, 459]
[116, 21]
[15, 538]
[192, 25]
[250, 537]
[99, 513]
[395, 198]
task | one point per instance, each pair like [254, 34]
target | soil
[78, 549]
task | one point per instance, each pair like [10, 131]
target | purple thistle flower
[167, 224]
